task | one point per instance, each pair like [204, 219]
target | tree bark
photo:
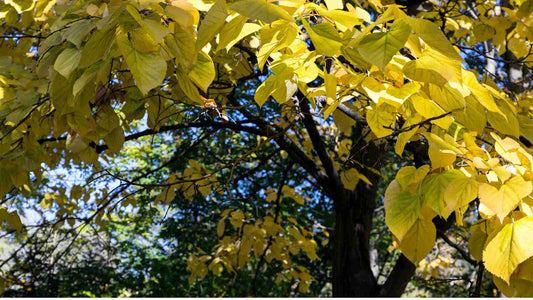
[352, 271]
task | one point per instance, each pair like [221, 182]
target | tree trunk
[352, 274]
[352, 271]
[354, 211]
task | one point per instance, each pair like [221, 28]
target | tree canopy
[302, 141]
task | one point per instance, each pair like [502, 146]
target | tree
[313, 97]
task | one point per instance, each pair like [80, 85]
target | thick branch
[321, 101]
[399, 278]
[334, 180]
[316, 140]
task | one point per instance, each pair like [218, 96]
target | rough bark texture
[352, 272]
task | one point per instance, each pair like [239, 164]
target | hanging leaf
[148, 69]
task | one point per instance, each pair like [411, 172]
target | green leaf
[97, 47]
[187, 86]
[379, 48]
[78, 31]
[67, 61]
[323, 45]
[115, 139]
[402, 209]
[148, 69]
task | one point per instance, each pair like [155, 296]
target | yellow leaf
[478, 237]
[115, 139]
[396, 96]
[334, 4]
[461, 191]
[524, 270]
[503, 200]
[182, 46]
[404, 137]
[473, 116]
[482, 94]
[212, 23]
[373, 88]
[446, 97]
[187, 86]
[516, 287]
[508, 247]
[260, 10]
[220, 227]
[433, 36]
[428, 109]
[278, 35]
[483, 32]
[433, 68]
[156, 30]
[236, 219]
[234, 31]
[265, 90]
[410, 177]
[419, 240]
[506, 123]
[341, 17]
[381, 119]
[183, 13]
[518, 47]
[350, 178]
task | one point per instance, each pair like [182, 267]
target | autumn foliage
[445, 85]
